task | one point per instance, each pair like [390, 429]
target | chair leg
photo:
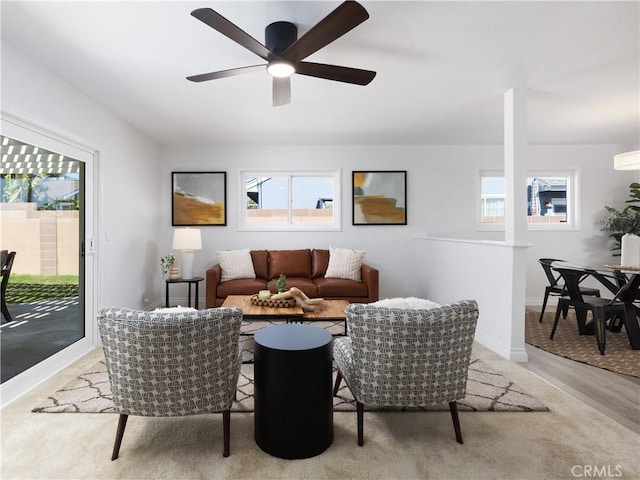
[581, 319]
[600, 329]
[453, 406]
[122, 423]
[336, 387]
[555, 320]
[5, 311]
[544, 304]
[360, 414]
[226, 432]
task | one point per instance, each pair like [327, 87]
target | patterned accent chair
[165, 364]
[397, 357]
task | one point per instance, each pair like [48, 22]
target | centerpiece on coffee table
[273, 302]
[294, 296]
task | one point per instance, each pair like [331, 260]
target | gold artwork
[379, 209]
[199, 198]
[191, 210]
[379, 198]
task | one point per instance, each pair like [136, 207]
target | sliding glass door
[42, 221]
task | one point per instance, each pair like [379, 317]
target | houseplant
[167, 266]
[280, 285]
[627, 220]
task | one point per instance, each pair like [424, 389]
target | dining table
[624, 284]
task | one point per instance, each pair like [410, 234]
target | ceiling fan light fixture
[280, 69]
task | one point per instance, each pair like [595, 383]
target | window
[551, 200]
[289, 200]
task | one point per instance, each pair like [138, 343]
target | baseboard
[176, 301]
[536, 302]
[518, 355]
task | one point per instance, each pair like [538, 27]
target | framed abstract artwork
[198, 198]
[379, 197]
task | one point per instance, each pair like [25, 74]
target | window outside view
[296, 200]
[546, 200]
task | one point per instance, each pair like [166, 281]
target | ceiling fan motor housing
[279, 36]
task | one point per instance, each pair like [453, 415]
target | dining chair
[406, 357]
[170, 364]
[5, 271]
[556, 285]
[601, 308]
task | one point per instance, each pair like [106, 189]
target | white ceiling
[442, 70]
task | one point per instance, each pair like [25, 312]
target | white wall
[129, 178]
[442, 199]
[500, 299]
[387, 247]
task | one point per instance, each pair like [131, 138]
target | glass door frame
[28, 132]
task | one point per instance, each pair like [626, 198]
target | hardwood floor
[616, 396]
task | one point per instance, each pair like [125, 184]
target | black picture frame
[198, 199]
[379, 197]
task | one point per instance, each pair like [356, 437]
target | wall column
[515, 173]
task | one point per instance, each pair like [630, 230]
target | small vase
[174, 273]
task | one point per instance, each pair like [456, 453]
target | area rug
[618, 357]
[487, 390]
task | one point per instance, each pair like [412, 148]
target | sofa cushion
[307, 286]
[319, 263]
[293, 263]
[244, 286]
[235, 264]
[339, 287]
[261, 263]
[345, 263]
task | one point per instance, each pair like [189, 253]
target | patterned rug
[487, 390]
[618, 357]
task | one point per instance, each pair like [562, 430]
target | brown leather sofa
[304, 269]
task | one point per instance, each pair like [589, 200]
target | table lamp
[187, 240]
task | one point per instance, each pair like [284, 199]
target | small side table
[195, 281]
[293, 393]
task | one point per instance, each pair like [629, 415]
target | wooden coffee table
[328, 310]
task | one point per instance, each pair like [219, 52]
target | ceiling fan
[284, 51]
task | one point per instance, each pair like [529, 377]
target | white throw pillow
[345, 263]
[175, 309]
[409, 302]
[236, 264]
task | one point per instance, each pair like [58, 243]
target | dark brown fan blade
[226, 73]
[347, 16]
[335, 72]
[281, 91]
[228, 29]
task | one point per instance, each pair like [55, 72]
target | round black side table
[293, 395]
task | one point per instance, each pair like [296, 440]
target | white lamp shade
[187, 239]
[627, 161]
